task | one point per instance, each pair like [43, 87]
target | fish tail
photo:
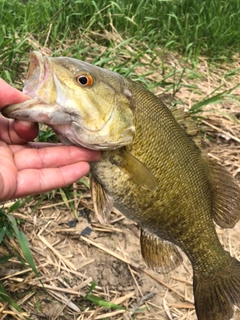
[216, 295]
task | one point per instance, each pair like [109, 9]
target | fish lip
[9, 111]
[36, 60]
[38, 72]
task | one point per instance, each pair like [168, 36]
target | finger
[49, 179]
[24, 130]
[8, 173]
[33, 145]
[10, 95]
[17, 132]
[52, 157]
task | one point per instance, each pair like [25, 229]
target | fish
[152, 169]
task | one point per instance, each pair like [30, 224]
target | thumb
[22, 131]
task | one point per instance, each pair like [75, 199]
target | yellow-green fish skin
[180, 209]
[184, 190]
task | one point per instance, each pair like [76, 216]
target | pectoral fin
[160, 255]
[226, 196]
[102, 202]
[139, 172]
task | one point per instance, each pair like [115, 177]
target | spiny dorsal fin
[139, 172]
[102, 202]
[190, 125]
[160, 255]
[226, 195]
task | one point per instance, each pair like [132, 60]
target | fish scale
[151, 169]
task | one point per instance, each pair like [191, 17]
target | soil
[108, 256]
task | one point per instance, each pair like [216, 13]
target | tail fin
[217, 295]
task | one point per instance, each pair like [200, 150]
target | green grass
[9, 229]
[209, 27]
[191, 28]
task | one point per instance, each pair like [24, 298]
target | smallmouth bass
[151, 170]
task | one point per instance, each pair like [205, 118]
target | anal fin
[160, 255]
[102, 202]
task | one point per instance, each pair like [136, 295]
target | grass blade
[24, 245]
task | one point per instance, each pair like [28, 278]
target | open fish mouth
[44, 87]
[38, 72]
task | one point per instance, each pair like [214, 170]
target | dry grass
[68, 262]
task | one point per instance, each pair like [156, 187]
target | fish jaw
[68, 131]
[78, 116]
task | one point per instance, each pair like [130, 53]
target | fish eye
[85, 80]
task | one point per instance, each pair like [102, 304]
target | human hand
[37, 167]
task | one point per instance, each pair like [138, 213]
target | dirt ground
[71, 254]
[110, 256]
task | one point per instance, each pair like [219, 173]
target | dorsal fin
[226, 192]
[189, 124]
[160, 255]
[226, 195]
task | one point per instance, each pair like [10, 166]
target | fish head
[84, 104]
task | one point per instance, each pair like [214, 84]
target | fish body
[150, 169]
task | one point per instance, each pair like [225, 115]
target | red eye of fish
[85, 80]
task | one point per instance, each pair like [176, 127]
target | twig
[49, 31]
[167, 310]
[55, 15]
[66, 301]
[108, 315]
[12, 313]
[181, 305]
[57, 253]
[181, 280]
[141, 301]
[120, 300]
[221, 131]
